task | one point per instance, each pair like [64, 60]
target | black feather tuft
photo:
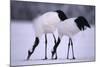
[82, 22]
[61, 15]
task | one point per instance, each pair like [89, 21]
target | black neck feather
[61, 15]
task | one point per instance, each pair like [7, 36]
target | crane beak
[87, 25]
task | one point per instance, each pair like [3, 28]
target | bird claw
[29, 54]
[67, 58]
[45, 58]
[53, 56]
[74, 58]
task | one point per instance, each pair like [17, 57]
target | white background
[5, 32]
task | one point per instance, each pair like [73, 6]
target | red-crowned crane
[70, 27]
[44, 24]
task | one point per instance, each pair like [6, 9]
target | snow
[22, 39]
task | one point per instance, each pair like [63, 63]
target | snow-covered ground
[22, 39]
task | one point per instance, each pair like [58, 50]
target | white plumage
[67, 27]
[46, 23]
